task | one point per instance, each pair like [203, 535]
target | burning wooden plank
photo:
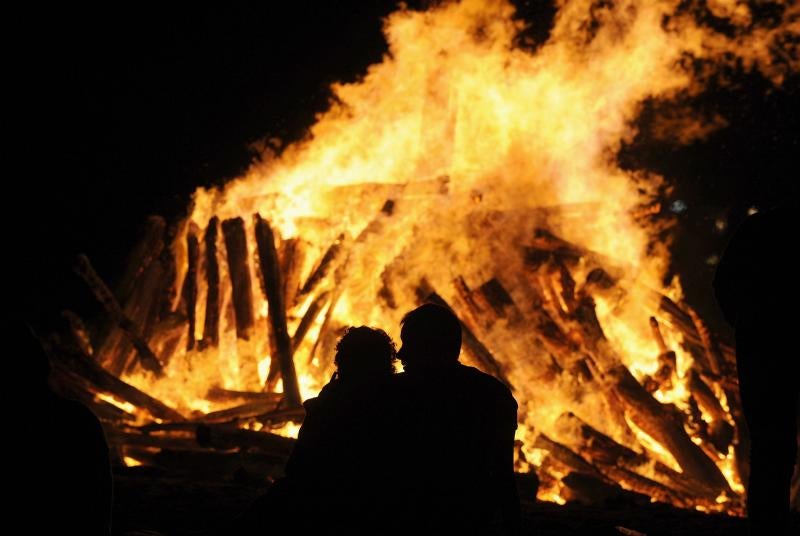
[713, 358]
[565, 455]
[133, 437]
[190, 284]
[666, 427]
[253, 408]
[85, 270]
[595, 445]
[273, 286]
[323, 267]
[219, 394]
[231, 437]
[146, 251]
[236, 246]
[546, 247]
[211, 324]
[73, 386]
[604, 452]
[493, 295]
[292, 255]
[325, 332]
[105, 381]
[652, 417]
[308, 319]
[280, 416]
[641, 484]
[79, 332]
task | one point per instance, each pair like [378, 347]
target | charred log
[211, 324]
[146, 251]
[594, 445]
[566, 456]
[292, 256]
[79, 332]
[651, 488]
[84, 366]
[281, 416]
[103, 295]
[230, 437]
[270, 270]
[190, 285]
[236, 246]
[243, 411]
[218, 394]
[666, 427]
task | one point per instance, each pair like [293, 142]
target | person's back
[756, 289]
[78, 487]
[338, 466]
[71, 467]
[753, 283]
[456, 433]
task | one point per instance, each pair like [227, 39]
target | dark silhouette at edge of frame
[756, 288]
[72, 478]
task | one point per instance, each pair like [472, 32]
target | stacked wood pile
[152, 314]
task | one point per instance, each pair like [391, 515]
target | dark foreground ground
[154, 504]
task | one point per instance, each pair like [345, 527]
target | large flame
[478, 141]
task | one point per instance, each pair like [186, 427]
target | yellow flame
[131, 462]
[121, 404]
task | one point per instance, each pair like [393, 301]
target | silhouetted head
[431, 336]
[364, 354]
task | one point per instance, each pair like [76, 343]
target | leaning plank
[638, 483]
[105, 381]
[566, 456]
[308, 319]
[146, 251]
[273, 286]
[101, 292]
[652, 417]
[243, 411]
[292, 255]
[323, 267]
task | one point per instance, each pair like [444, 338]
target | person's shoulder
[72, 414]
[486, 382]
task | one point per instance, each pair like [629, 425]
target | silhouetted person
[73, 484]
[337, 473]
[456, 467]
[756, 287]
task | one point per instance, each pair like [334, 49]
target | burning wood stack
[164, 310]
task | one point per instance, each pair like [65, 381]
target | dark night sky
[128, 111]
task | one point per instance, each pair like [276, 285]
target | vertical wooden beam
[190, 284]
[236, 246]
[273, 287]
[211, 326]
